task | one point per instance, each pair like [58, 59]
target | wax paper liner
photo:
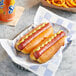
[49, 68]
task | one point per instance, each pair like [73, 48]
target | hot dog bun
[31, 40]
[48, 48]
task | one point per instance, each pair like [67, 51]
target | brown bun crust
[49, 53]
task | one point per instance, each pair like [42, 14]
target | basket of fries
[67, 5]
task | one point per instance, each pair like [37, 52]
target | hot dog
[48, 47]
[29, 41]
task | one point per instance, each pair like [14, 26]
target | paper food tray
[22, 59]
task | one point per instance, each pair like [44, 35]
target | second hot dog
[48, 47]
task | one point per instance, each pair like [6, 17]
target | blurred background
[7, 68]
